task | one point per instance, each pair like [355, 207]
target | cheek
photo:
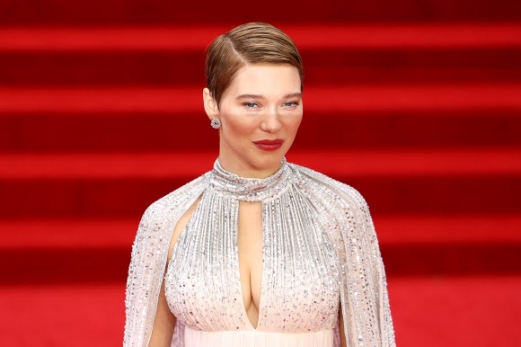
[238, 126]
[293, 124]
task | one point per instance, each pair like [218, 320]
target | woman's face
[260, 113]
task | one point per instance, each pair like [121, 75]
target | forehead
[265, 79]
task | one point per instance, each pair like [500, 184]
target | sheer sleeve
[146, 270]
[367, 263]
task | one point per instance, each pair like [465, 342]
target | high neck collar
[250, 189]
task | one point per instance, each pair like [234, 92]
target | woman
[257, 252]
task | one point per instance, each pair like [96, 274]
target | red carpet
[417, 104]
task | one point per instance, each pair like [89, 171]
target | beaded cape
[339, 210]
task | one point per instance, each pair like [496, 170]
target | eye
[290, 104]
[250, 105]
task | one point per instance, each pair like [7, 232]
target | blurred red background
[417, 104]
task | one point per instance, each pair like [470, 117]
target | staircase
[417, 104]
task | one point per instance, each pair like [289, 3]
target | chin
[269, 161]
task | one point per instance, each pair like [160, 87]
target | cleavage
[250, 256]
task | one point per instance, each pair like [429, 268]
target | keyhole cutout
[250, 246]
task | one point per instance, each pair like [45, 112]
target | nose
[271, 121]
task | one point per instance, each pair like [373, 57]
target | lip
[269, 145]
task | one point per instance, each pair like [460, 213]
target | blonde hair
[251, 43]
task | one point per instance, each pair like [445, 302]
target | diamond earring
[215, 123]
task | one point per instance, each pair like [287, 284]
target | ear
[210, 104]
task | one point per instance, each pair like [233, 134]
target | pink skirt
[254, 338]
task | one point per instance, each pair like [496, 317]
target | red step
[149, 131]
[306, 36]
[34, 234]
[110, 12]
[356, 53]
[369, 163]
[63, 315]
[331, 66]
[466, 311]
[401, 181]
[346, 98]
[480, 229]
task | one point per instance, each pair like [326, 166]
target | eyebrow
[258, 96]
[249, 96]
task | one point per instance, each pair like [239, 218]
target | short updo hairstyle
[251, 43]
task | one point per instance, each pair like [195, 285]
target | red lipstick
[269, 145]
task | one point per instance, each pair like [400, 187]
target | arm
[145, 299]
[164, 323]
[365, 302]
[378, 283]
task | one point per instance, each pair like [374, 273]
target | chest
[274, 253]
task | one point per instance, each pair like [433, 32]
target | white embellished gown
[320, 254]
